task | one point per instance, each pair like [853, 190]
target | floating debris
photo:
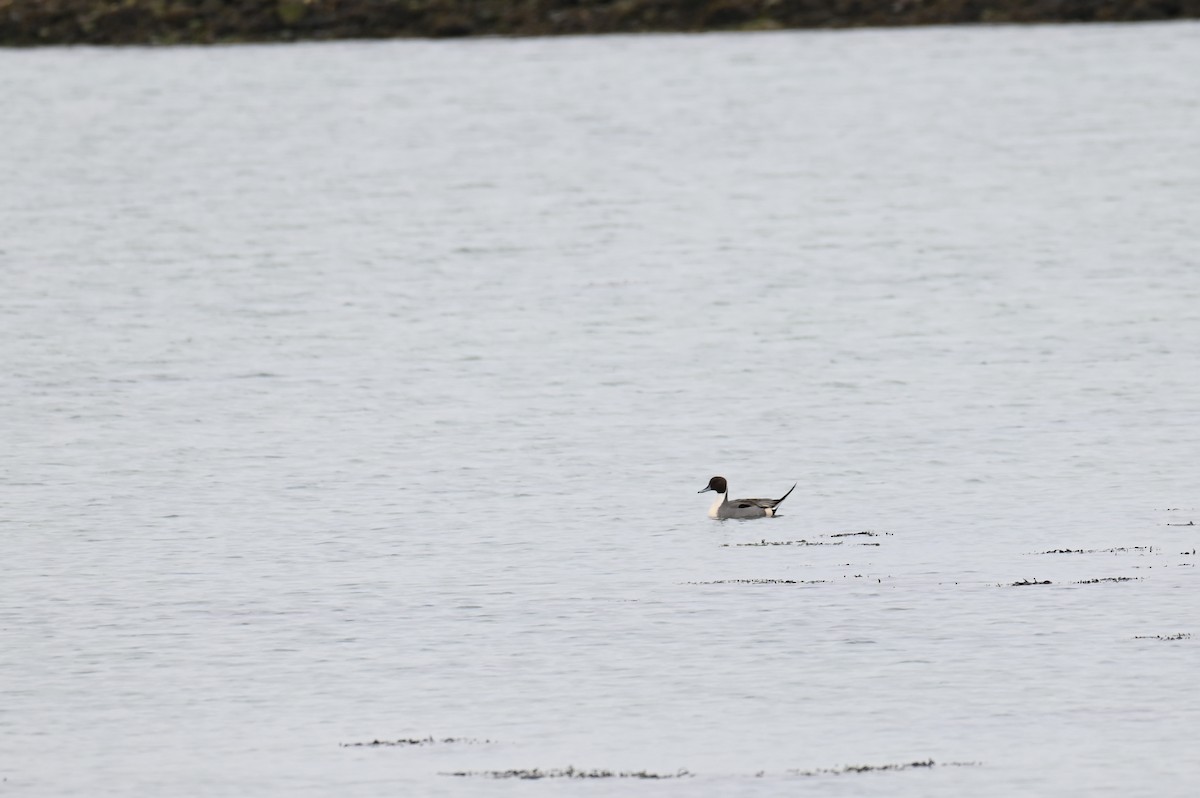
[1189, 523]
[1177, 636]
[760, 582]
[568, 772]
[928, 763]
[852, 534]
[1024, 582]
[1108, 579]
[766, 542]
[407, 741]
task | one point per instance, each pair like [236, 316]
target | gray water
[362, 391]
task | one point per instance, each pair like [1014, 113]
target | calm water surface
[362, 391]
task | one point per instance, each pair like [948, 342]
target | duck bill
[706, 490]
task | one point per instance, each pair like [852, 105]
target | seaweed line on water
[1113, 550]
[806, 542]
[413, 741]
[569, 772]
[801, 542]
[759, 582]
[572, 772]
[1176, 636]
[1027, 582]
[927, 763]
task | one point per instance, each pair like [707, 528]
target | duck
[740, 508]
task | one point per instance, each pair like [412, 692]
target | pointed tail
[789, 493]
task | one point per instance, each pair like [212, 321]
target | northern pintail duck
[740, 508]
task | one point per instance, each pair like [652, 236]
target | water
[362, 392]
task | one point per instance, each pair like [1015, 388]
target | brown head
[717, 484]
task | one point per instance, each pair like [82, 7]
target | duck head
[717, 484]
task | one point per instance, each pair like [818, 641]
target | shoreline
[32, 23]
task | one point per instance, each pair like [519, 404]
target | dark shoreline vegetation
[101, 22]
